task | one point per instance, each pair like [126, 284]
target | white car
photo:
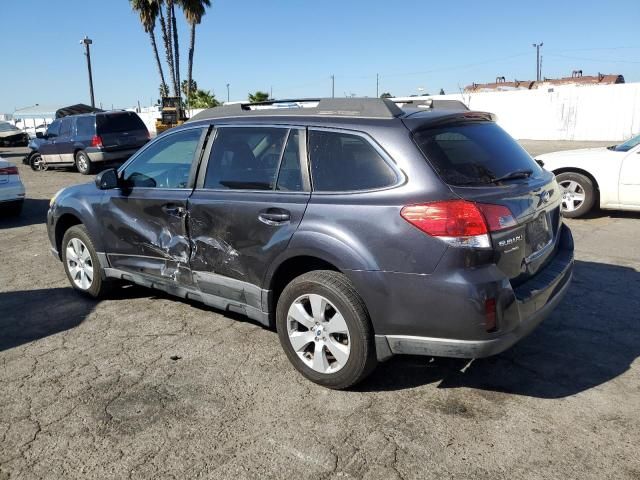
[11, 189]
[607, 175]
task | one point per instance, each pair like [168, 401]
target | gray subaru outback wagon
[357, 228]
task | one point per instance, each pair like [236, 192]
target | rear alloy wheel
[37, 163]
[325, 330]
[578, 194]
[318, 333]
[83, 164]
[81, 262]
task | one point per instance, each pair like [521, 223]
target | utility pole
[333, 86]
[87, 41]
[227, 93]
[538, 66]
[377, 85]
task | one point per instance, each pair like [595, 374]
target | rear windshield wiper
[513, 175]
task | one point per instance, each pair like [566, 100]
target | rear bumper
[96, 155]
[444, 315]
[11, 192]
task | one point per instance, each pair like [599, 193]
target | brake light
[96, 141]
[459, 222]
[12, 170]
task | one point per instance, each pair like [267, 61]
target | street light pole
[227, 93]
[87, 41]
[538, 66]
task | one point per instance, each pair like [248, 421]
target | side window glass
[85, 126]
[245, 158]
[65, 128]
[166, 163]
[345, 162]
[54, 129]
[290, 174]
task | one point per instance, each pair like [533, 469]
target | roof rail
[325, 107]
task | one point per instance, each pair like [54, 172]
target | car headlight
[55, 195]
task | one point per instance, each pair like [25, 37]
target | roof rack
[325, 107]
[432, 103]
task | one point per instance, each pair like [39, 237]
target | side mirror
[107, 179]
[40, 135]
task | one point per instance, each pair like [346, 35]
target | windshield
[474, 154]
[628, 145]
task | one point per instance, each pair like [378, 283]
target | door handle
[174, 210]
[274, 216]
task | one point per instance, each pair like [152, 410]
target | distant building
[576, 78]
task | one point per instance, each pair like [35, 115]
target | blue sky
[294, 47]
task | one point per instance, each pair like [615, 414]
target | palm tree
[176, 48]
[148, 12]
[167, 38]
[258, 97]
[194, 10]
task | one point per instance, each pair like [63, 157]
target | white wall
[569, 112]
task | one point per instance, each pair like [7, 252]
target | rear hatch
[121, 131]
[481, 163]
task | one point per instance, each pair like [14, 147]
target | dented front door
[146, 221]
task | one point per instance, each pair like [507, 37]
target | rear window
[119, 122]
[473, 154]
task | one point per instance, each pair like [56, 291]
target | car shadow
[29, 315]
[590, 339]
[34, 211]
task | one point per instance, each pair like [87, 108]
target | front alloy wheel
[573, 195]
[318, 333]
[578, 193]
[37, 163]
[79, 264]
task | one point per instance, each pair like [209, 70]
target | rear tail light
[96, 141]
[12, 170]
[458, 222]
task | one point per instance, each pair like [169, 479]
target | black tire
[577, 183]
[83, 163]
[99, 286]
[36, 163]
[339, 291]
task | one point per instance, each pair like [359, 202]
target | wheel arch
[587, 174]
[581, 171]
[289, 269]
[64, 223]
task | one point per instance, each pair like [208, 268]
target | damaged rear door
[145, 221]
[251, 194]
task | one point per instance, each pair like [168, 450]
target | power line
[609, 60]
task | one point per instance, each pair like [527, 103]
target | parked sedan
[11, 136]
[608, 176]
[11, 189]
